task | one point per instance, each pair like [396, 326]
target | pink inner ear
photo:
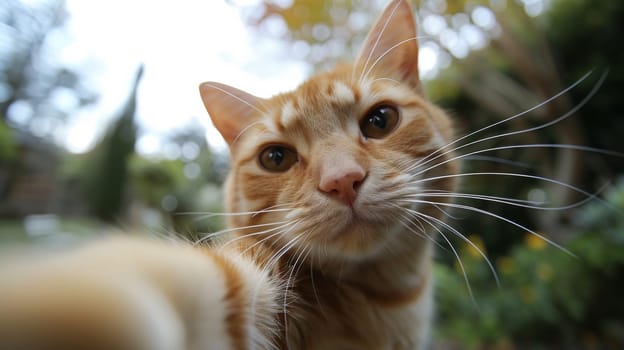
[230, 109]
[391, 45]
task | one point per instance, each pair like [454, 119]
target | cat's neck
[397, 274]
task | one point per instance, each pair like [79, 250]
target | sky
[181, 43]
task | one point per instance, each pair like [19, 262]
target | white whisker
[525, 176]
[208, 215]
[229, 230]
[423, 232]
[236, 98]
[465, 239]
[316, 296]
[387, 79]
[379, 36]
[508, 201]
[279, 232]
[369, 70]
[448, 242]
[499, 217]
[444, 149]
[481, 158]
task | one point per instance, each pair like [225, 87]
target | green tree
[32, 83]
[184, 186]
[30, 80]
[105, 177]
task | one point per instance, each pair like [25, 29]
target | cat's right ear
[230, 109]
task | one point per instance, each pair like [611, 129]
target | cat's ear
[391, 45]
[230, 109]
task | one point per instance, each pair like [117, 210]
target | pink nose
[342, 181]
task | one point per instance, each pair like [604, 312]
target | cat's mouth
[363, 216]
[353, 234]
[356, 231]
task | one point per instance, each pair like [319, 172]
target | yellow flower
[476, 246]
[535, 242]
[505, 264]
[528, 294]
[544, 272]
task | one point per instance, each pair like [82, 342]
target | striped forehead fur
[341, 93]
[288, 113]
[334, 94]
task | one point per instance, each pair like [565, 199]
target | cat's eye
[379, 121]
[277, 158]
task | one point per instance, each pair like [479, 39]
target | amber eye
[379, 121]
[277, 158]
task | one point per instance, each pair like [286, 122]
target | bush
[547, 297]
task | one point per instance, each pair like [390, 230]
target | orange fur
[325, 259]
[360, 279]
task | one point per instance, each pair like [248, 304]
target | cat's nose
[343, 181]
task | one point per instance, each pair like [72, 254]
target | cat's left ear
[230, 109]
[391, 46]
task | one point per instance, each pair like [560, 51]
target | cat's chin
[358, 232]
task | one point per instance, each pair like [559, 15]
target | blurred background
[101, 126]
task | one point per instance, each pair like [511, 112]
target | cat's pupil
[276, 155]
[378, 120]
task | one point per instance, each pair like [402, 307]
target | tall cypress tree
[106, 176]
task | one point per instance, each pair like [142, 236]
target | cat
[327, 248]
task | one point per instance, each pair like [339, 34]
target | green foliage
[8, 147]
[163, 185]
[302, 13]
[547, 297]
[532, 60]
[106, 174]
[597, 45]
[152, 179]
[30, 77]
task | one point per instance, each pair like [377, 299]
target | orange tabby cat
[327, 251]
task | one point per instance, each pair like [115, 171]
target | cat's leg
[136, 294]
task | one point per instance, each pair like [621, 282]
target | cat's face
[329, 167]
